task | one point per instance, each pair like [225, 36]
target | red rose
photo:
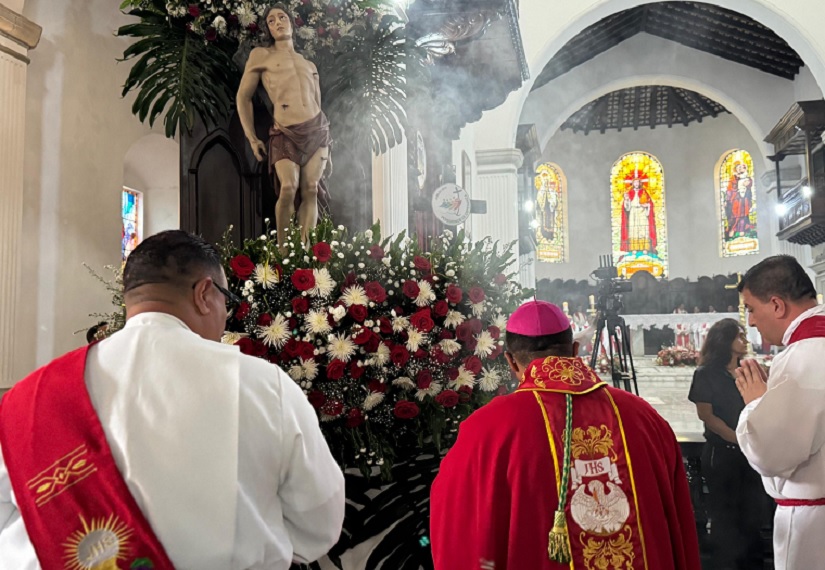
[496, 353]
[293, 323]
[306, 350]
[350, 279]
[252, 347]
[452, 373]
[494, 331]
[241, 266]
[358, 312]
[194, 11]
[465, 393]
[411, 289]
[445, 334]
[470, 344]
[299, 21]
[356, 371]
[335, 369]
[500, 279]
[405, 410]
[473, 364]
[322, 251]
[211, 35]
[502, 390]
[354, 418]
[375, 291]
[333, 408]
[377, 386]
[376, 252]
[423, 379]
[290, 349]
[242, 311]
[447, 398]
[321, 31]
[303, 279]
[317, 399]
[422, 320]
[476, 295]
[441, 308]
[464, 332]
[399, 311]
[253, 27]
[440, 356]
[265, 320]
[364, 337]
[399, 355]
[420, 353]
[454, 294]
[421, 263]
[474, 325]
[300, 305]
[373, 343]
[385, 325]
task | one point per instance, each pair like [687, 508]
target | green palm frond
[177, 73]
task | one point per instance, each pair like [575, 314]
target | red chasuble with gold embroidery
[77, 508]
[628, 503]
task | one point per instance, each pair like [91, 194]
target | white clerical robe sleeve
[312, 485]
[783, 429]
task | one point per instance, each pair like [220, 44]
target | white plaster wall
[78, 131]
[152, 166]
[14, 5]
[805, 87]
[688, 156]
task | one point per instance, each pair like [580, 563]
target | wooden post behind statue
[298, 147]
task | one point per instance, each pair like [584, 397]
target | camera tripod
[622, 371]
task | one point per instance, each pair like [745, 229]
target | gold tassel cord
[558, 547]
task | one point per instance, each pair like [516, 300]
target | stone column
[497, 184]
[17, 36]
[390, 201]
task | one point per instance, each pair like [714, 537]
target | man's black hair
[173, 257]
[780, 276]
[528, 348]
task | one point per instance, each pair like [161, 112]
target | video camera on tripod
[611, 328]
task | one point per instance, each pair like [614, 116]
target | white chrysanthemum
[500, 321]
[296, 372]
[372, 400]
[426, 295]
[404, 383]
[246, 15]
[490, 380]
[453, 319]
[432, 390]
[355, 295]
[277, 333]
[464, 378]
[486, 344]
[266, 276]
[324, 283]
[477, 308]
[400, 324]
[449, 346]
[381, 356]
[219, 23]
[232, 337]
[340, 347]
[310, 368]
[415, 339]
[338, 313]
[317, 322]
[305, 32]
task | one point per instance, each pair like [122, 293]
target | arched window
[550, 222]
[736, 201]
[131, 216]
[637, 186]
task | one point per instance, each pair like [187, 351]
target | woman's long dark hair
[717, 348]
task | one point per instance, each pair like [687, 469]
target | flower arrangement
[392, 345]
[677, 356]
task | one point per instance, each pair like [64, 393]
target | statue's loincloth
[299, 143]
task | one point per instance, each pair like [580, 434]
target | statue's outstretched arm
[249, 83]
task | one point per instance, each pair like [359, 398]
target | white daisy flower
[490, 380]
[400, 324]
[355, 295]
[432, 390]
[310, 368]
[453, 319]
[372, 400]
[324, 283]
[449, 346]
[426, 295]
[500, 321]
[317, 322]
[296, 372]
[232, 337]
[477, 308]
[305, 32]
[464, 378]
[246, 15]
[415, 339]
[277, 333]
[486, 344]
[266, 275]
[340, 347]
[404, 383]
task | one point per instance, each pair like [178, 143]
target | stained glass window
[550, 222]
[736, 200]
[131, 215]
[639, 228]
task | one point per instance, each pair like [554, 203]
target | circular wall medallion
[451, 204]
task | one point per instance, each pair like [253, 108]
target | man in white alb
[782, 429]
[207, 458]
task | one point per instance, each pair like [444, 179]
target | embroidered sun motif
[99, 545]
